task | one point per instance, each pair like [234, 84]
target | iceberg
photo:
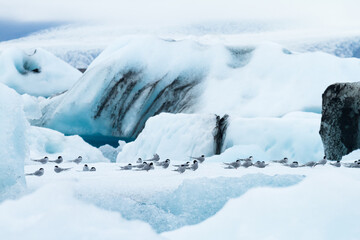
[47, 142]
[13, 144]
[178, 136]
[36, 72]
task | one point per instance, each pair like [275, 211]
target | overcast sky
[311, 12]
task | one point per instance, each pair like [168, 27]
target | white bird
[147, 167]
[77, 160]
[233, 165]
[92, 169]
[293, 164]
[247, 164]
[139, 160]
[282, 161]
[309, 164]
[141, 165]
[247, 159]
[165, 164]
[86, 168]
[38, 173]
[58, 169]
[200, 159]
[155, 158]
[58, 160]
[181, 168]
[337, 164]
[194, 166]
[261, 164]
[355, 164]
[321, 162]
[42, 160]
[127, 167]
[184, 164]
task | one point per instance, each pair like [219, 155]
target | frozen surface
[47, 142]
[323, 206]
[13, 148]
[52, 212]
[168, 200]
[36, 72]
[163, 198]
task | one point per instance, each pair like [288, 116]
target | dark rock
[340, 123]
[219, 133]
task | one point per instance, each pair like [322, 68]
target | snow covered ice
[13, 148]
[36, 72]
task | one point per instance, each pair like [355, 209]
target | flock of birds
[155, 160]
[58, 169]
[149, 164]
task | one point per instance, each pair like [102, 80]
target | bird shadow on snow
[192, 202]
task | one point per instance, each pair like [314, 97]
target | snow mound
[178, 136]
[13, 148]
[47, 142]
[174, 136]
[37, 73]
[110, 152]
[192, 202]
[323, 206]
[53, 213]
[295, 136]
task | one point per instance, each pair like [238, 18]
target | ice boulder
[174, 136]
[178, 136]
[36, 72]
[47, 142]
[13, 147]
[111, 152]
[136, 79]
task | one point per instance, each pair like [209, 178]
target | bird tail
[29, 174]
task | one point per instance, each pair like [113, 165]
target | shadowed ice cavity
[192, 202]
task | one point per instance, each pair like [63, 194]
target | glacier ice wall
[13, 147]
